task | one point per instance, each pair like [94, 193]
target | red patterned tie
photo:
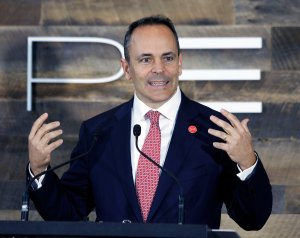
[147, 173]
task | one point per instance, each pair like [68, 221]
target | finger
[46, 128]
[50, 136]
[37, 124]
[220, 134]
[235, 122]
[223, 124]
[52, 146]
[221, 146]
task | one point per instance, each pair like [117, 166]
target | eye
[145, 60]
[169, 58]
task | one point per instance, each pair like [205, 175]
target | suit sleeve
[249, 202]
[68, 198]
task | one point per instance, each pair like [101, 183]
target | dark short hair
[146, 21]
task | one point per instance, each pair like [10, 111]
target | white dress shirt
[167, 120]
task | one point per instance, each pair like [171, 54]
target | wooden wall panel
[277, 226]
[279, 12]
[119, 12]
[274, 87]
[10, 193]
[286, 48]
[282, 153]
[227, 59]
[13, 56]
[20, 12]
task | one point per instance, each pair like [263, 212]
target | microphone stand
[137, 132]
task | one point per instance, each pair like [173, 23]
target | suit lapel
[122, 157]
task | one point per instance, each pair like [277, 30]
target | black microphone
[137, 133]
[25, 196]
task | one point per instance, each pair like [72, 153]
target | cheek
[174, 70]
[138, 72]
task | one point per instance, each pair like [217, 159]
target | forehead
[152, 37]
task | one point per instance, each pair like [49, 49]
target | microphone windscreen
[136, 130]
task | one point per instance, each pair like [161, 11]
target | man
[210, 153]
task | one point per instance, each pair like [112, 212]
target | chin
[161, 100]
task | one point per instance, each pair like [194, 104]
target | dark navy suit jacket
[103, 179]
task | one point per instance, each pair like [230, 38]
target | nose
[158, 67]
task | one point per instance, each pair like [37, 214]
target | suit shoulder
[199, 114]
[197, 108]
[108, 117]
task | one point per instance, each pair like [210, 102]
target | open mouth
[159, 83]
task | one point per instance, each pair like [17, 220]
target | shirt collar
[168, 110]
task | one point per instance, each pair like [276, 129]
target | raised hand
[42, 140]
[237, 139]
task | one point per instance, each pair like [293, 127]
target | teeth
[158, 83]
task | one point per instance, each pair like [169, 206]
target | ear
[125, 66]
[180, 64]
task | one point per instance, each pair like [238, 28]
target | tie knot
[153, 116]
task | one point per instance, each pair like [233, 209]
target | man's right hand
[42, 140]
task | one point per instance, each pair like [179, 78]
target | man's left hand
[237, 139]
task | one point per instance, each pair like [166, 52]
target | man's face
[154, 66]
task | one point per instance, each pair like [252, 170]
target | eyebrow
[149, 54]
[169, 53]
[144, 54]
